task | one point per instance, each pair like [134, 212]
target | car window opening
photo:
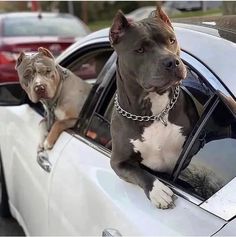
[212, 164]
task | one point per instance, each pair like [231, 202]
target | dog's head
[38, 75]
[148, 51]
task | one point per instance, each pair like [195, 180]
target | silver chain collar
[162, 116]
[50, 108]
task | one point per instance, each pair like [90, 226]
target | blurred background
[99, 14]
[55, 25]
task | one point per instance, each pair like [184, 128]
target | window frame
[95, 98]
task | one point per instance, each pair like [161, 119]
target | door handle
[43, 161]
[110, 232]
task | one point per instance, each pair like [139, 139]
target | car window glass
[196, 85]
[89, 66]
[211, 162]
[12, 94]
[44, 26]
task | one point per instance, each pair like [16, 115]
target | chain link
[160, 117]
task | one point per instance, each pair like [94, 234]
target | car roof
[221, 26]
[211, 42]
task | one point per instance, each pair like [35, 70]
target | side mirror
[12, 94]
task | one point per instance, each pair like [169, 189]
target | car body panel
[93, 193]
[36, 39]
[229, 229]
[223, 203]
[22, 173]
[30, 44]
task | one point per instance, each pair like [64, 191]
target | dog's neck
[135, 100]
[50, 105]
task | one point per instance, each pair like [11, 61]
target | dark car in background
[26, 31]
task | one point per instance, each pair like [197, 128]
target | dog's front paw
[161, 196]
[47, 145]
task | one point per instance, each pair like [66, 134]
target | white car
[77, 193]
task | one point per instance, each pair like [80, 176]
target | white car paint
[81, 195]
[27, 182]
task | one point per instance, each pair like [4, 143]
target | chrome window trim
[93, 145]
[183, 194]
[223, 202]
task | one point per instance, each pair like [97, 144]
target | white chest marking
[160, 146]
[159, 102]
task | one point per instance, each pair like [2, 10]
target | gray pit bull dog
[60, 91]
[153, 116]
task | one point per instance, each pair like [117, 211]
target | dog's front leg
[57, 128]
[158, 193]
[43, 132]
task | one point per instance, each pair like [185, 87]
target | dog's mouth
[42, 96]
[178, 75]
[162, 89]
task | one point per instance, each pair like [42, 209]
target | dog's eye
[27, 77]
[172, 40]
[140, 50]
[48, 70]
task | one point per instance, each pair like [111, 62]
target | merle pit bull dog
[152, 116]
[60, 91]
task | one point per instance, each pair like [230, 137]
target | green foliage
[102, 10]
[210, 12]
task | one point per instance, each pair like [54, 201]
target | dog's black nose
[40, 89]
[171, 63]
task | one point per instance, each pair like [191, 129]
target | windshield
[45, 26]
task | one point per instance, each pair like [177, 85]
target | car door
[27, 183]
[95, 200]
[28, 178]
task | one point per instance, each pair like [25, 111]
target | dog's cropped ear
[163, 16]
[45, 52]
[19, 60]
[119, 25]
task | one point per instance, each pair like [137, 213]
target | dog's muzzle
[40, 90]
[171, 63]
[176, 66]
